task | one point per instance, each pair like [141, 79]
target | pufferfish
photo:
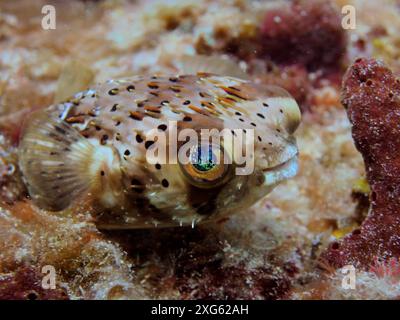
[93, 147]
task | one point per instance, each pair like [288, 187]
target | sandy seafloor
[267, 252]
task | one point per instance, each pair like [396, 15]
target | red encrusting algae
[371, 96]
[304, 32]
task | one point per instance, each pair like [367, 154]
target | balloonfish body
[122, 146]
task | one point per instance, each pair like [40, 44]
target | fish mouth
[283, 171]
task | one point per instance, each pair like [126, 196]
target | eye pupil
[203, 160]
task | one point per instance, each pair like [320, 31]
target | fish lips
[285, 170]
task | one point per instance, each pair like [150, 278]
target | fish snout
[287, 168]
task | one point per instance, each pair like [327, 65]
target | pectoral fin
[54, 159]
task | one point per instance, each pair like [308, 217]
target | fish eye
[206, 167]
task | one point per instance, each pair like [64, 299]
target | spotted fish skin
[100, 140]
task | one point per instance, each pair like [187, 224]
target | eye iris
[204, 168]
[203, 160]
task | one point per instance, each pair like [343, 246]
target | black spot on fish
[139, 138]
[165, 183]
[104, 139]
[148, 144]
[113, 92]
